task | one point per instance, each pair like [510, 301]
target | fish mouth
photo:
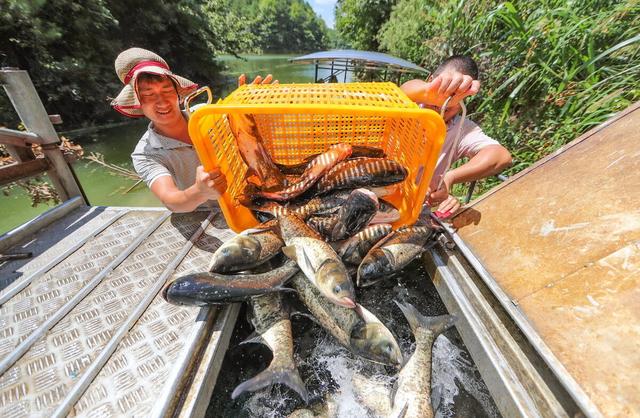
[347, 302]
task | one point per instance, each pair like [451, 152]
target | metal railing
[39, 130]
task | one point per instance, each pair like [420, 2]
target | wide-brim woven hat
[133, 62]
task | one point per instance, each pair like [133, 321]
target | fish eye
[337, 289]
[388, 348]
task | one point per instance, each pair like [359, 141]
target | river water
[116, 143]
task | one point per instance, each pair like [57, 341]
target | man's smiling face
[159, 100]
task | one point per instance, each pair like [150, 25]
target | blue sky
[325, 9]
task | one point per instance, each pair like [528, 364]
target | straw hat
[129, 65]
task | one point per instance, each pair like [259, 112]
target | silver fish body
[246, 250]
[317, 260]
[413, 391]
[356, 329]
[354, 249]
[393, 253]
[201, 289]
[273, 328]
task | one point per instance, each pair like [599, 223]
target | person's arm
[208, 186]
[490, 160]
[445, 85]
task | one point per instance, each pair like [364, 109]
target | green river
[116, 143]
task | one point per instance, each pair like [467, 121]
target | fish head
[343, 150]
[181, 291]
[375, 265]
[237, 253]
[375, 342]
[334, 282]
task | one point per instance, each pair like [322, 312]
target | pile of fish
[326, 229]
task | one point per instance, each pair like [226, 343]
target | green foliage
[551, 69]
[69, 46]
[358, 22]
[284, 25]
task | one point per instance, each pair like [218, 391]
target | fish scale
[364, 172]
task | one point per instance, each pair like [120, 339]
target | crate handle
[191, 96]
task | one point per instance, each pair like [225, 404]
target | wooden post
[30, 109]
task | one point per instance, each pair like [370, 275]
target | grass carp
[393, 253]
[246, 250]
[413, 388]
[317, 260]
[200, 289]
[362, 172]
[356, 329]
[273, 328]
[354, 249]
[316, 169]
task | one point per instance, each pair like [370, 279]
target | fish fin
[400, 412]
[254, 338]
[287, 376]
[436, 324]
[366, 316]
[372, 282]
[290, 251]
[308, 261]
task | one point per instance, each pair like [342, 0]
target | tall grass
[551, 69]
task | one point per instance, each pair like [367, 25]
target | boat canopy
[342, 61]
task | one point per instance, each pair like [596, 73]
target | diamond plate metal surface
[40, 379]
[136, 373]
[54, 240]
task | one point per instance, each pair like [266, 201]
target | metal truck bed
[545, 270]
[83, 330]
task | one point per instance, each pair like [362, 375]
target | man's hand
[438, 196]
[210, 184]
[242, 80]
[435, 92]
[448, 208]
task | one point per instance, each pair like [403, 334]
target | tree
[358, 22]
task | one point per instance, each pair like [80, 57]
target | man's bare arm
[490, 160]
[208, 186]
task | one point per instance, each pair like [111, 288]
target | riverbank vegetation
[550, 70]
[69, 46]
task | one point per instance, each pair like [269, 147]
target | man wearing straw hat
[164, 157]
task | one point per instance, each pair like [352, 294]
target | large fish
[356, 212]
[319, 205]
[413, 388]
[362, 172]
[273, 328]
[247, 250]
[357, 151]
[354, 249]
[393, 253]
[317, 260]
[356, 329]
[201, 289]
[261, 167]
[316, 169]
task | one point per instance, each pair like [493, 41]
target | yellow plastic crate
[297, 120]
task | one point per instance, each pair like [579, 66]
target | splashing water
[451, 371]
[328, 369]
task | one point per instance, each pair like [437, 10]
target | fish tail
[436, 324]
[288, 376]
